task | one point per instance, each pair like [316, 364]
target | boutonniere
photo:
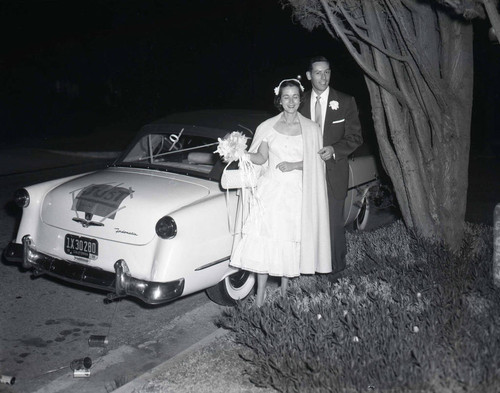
[334, 105]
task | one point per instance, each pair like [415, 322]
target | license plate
[81, 246]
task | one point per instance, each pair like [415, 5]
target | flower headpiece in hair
[277, 88]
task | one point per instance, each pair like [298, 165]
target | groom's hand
[326, 153]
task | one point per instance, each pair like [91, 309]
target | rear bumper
[121, 283]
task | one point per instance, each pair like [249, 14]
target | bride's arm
[286, 166]
[262, 154]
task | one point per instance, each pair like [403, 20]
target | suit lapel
[331, 115]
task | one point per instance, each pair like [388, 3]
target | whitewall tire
[235, 287]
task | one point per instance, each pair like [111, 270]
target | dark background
[70, 67]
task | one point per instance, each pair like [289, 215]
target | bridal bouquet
[233, 148]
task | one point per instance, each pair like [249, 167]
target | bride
[286, 232]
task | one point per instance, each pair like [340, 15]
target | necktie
[317, 111]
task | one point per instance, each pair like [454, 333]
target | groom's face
[319, 76]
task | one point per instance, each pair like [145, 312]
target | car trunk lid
[119, 204]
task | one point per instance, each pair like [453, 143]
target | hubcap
[238, 279]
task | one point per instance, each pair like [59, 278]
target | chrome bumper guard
[121, 283]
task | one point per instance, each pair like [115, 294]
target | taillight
[22, 197]
[166, 227]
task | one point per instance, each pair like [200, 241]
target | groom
[337, 115]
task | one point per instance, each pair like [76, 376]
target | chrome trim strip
[212, 264]
[362, 184]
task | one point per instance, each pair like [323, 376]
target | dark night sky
[71, 65]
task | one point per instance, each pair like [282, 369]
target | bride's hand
[285, 166]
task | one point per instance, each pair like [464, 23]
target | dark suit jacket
[342, 130]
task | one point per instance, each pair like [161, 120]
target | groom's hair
[317, 59]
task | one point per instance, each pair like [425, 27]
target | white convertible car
[156, 224]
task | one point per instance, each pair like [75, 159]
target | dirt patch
[216, 367]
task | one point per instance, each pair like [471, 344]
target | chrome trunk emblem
[86, 223]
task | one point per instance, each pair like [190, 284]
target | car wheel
[377, 208]
[235, 287]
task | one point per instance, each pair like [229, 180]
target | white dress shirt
[323, 100]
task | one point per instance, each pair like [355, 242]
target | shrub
[408, 315]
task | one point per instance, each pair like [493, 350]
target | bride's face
[290, 99]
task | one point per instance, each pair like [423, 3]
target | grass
[408, 316]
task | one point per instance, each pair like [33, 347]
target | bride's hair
[286, 83]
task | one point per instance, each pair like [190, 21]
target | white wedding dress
[271, 235]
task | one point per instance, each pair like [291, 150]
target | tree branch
[409, 5]
[385, 84]
[493, 15]
[333, 34]
[314, 11]
[434, 85]
[346, 32]
[365, 38]
[416, 95]
[349, 9]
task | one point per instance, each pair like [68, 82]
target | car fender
[206, 225]
[31, 214]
